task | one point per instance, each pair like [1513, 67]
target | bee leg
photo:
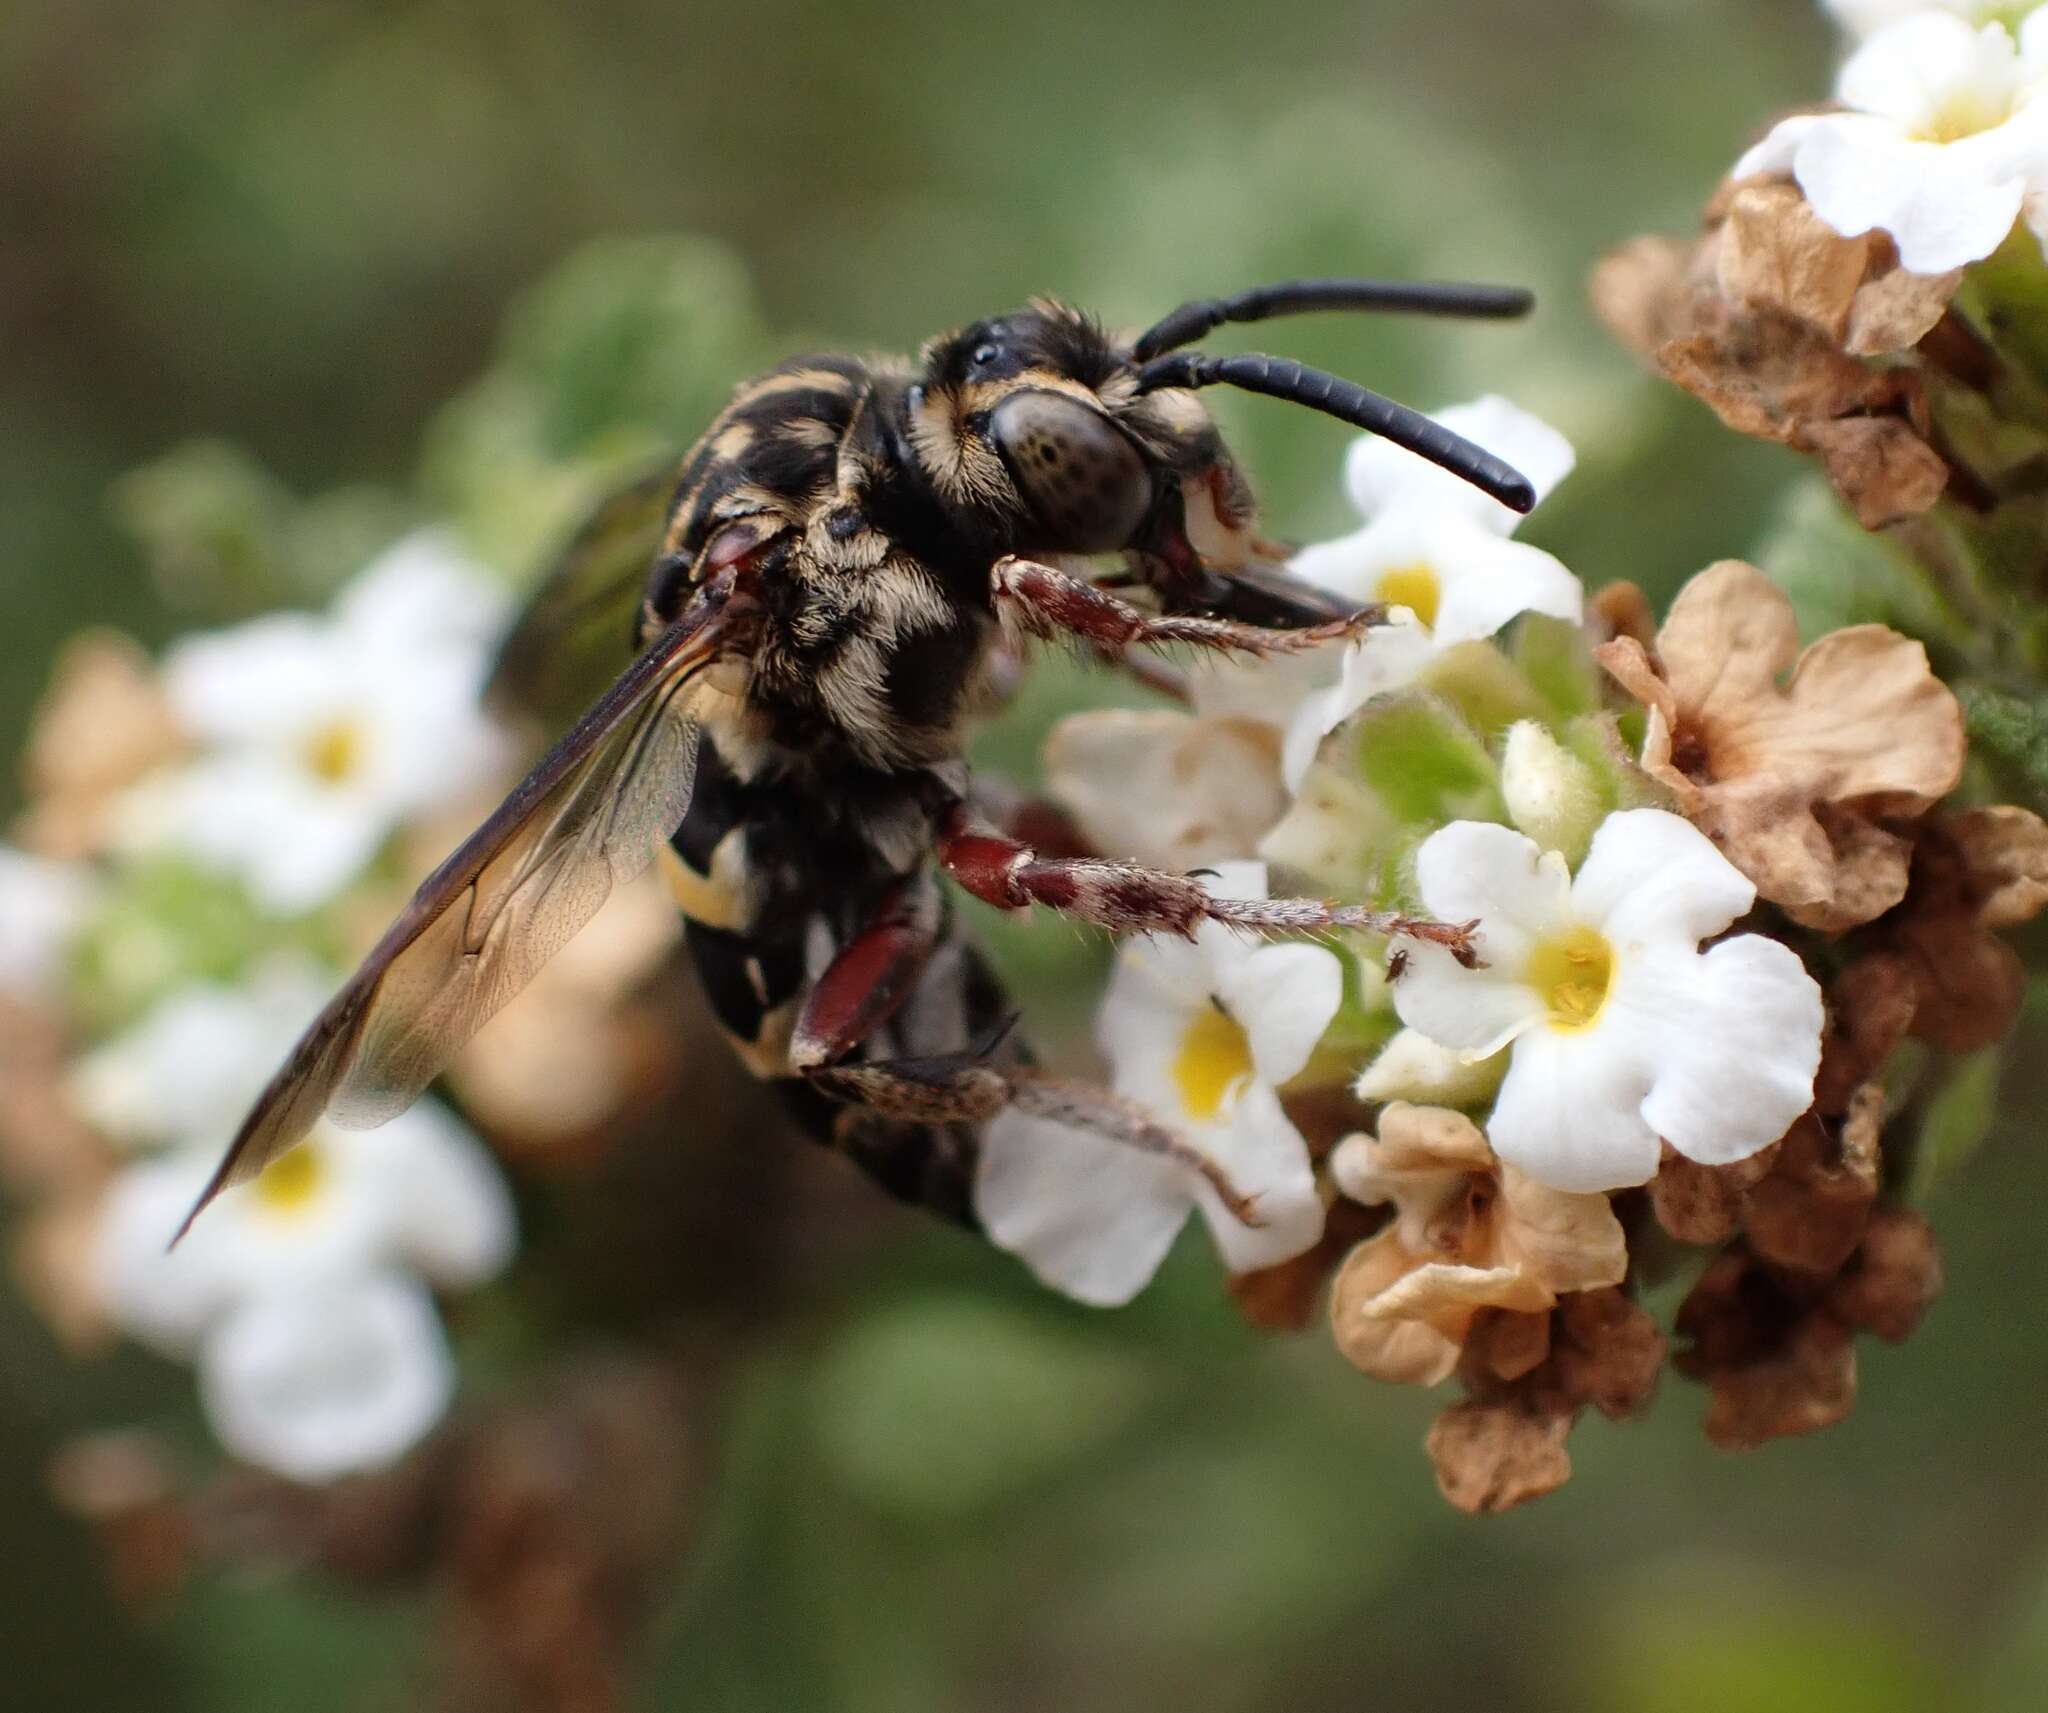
[1043, 601]
[871, 975]
[1127, 898]
[954, 1088]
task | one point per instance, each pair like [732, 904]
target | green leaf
[2013, 729]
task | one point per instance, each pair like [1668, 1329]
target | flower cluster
[207, 844]
[1718, 914]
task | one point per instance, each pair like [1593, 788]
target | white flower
[41, 906]
[1441, 549]
[419, 1192]
[346, 1214]
[1201, 1034]
[1621, 1030]
[323, 734]
[1867, 17]
[191, 1068]
[327, 1379]
[1942, 141]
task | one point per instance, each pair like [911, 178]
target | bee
[823, 596]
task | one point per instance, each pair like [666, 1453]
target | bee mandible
[824, 590]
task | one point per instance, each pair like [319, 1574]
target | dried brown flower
[1973, 873]
[1776, 1347]
[1793, 780]
[1469, 1233]
[1767, 317]
[1529, 1377]
[102, 724]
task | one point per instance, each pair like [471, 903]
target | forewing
[576, 632]
[589, 817]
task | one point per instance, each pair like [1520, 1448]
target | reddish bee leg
[1127, 898]
[870, 976]
[968, 1088]
[1043, 601]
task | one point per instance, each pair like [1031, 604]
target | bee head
[1017, 422]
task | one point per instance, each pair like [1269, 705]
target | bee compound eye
[1083, 479]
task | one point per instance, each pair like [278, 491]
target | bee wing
[587, 818]
[576, 633]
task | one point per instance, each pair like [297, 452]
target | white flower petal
[41, 906]
[1482, 869]
[1283, 997]
[323, 1382]
[1907, 72]
[1653, 877]
[1387, 658]
[1264, 1157]
[1779, 148]
[1088, 1216]
[1739, 1044]
[1493, 581]
[163, 1296]
[260, 684]
[422, 596]
[1475, 1011]
[190, 1069]
[1569, 1113]
[450, 1211]
[1943, 207]
[1380, 474]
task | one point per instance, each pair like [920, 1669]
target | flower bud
[1551, 795]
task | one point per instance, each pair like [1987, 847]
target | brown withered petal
[1861, 722]
[1607, 1351]
[1491, 1457]
[1870, 1010]
[1166, 788]
[102, 724]
[1774, 252]
[2004, 850]
[1644, 291]
[1768, 374]
[1813, 1207]
[1774, 1363]
[1969, 982]
[1620, 608]
[1469, 1234]
[1894, 310]
[1893, 1279]
[1504, 1346]
[1806, 1384]
[1703, 1204]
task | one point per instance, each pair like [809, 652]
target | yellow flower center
[1572, 974]
[334, 752]
[1414, 587]
[1967, 113]
[1214, 1058]
[291, 1182]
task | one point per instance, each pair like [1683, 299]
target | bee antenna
[1203, 316]
[1283, 378]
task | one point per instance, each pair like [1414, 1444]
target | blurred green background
[300, 229]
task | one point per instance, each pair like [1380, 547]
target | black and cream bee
[824, 591]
